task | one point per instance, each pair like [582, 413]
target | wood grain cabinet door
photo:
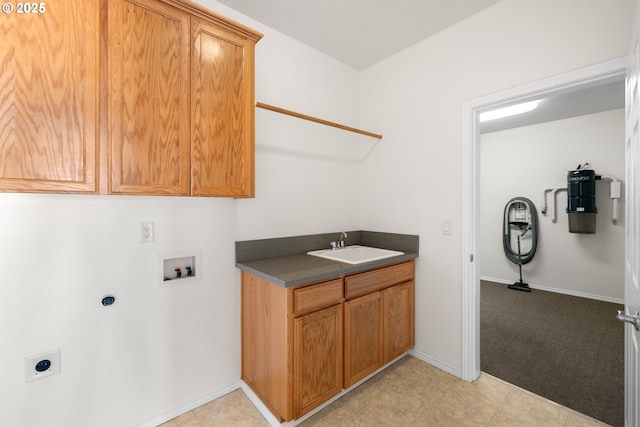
[49, 114]
[317, 358]
[148, 63]
[362, 337]
[398, 320]
[222, 112]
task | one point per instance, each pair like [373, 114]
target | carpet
[567, 349]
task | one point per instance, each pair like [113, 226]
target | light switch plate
[446, 227]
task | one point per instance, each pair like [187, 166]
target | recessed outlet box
[180, 267]
[42, 365]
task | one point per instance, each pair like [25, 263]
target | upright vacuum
[521, 286]
[520, 214]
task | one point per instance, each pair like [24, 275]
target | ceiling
[361, 33]
[586, 99]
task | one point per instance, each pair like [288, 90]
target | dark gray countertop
[271, 262]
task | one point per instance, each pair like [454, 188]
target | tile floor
[409, 393]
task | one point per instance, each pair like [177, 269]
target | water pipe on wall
[615, 197]
[554, 191]
[615, 194]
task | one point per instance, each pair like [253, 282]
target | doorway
[471, 259]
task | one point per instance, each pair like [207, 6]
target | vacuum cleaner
[520, 214]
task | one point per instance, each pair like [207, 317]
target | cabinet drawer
[318, 296]
[371, 281]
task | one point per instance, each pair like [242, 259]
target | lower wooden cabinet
[378, 328]
[363, 348]
[301, 346]
[317, 369]
[399, 320]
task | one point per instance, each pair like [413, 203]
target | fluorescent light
[508, 111]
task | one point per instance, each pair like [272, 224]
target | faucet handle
[334, 245]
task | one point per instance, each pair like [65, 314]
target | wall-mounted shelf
[316, 120]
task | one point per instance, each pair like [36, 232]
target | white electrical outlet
[146, 232]
[42, 365]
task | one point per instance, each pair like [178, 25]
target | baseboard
[170, 414]
[558, 290]
[261, 407]
[435, 362]
[273, 421]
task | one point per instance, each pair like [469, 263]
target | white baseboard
[435, 362]
[170, 414]
[273, 421]
[558, 291]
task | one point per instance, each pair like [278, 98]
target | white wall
[307, 174]
[157, 349]
[412, 181]
[522, 162]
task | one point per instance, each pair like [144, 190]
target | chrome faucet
[340, 242]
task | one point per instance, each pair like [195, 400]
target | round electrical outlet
[43, 365]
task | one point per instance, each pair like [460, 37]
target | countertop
[298, 268]
[293, 270]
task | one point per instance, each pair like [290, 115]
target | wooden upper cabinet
[49, 75]
[181, 100]
[222, 111]
[148, 63]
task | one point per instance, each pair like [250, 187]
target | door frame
[567, 82]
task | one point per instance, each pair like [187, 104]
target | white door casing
[632, 231]
[471, 258]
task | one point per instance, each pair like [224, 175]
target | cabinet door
[399, 317]
[49, 75]
[362, 337]
[317, 358]
[222, 111]
[149, 147]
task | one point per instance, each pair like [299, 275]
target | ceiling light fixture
[508, 111]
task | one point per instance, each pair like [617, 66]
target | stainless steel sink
[355, 254]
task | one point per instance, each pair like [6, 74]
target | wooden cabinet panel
[399, 315]
[371, 281]
[318, 296]
[363, 352]
[266, 342]
[168, 86]
[49, 116]
[317, 358]
[222, 111]
[149, 142]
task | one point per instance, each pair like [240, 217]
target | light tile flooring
[409, 393]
